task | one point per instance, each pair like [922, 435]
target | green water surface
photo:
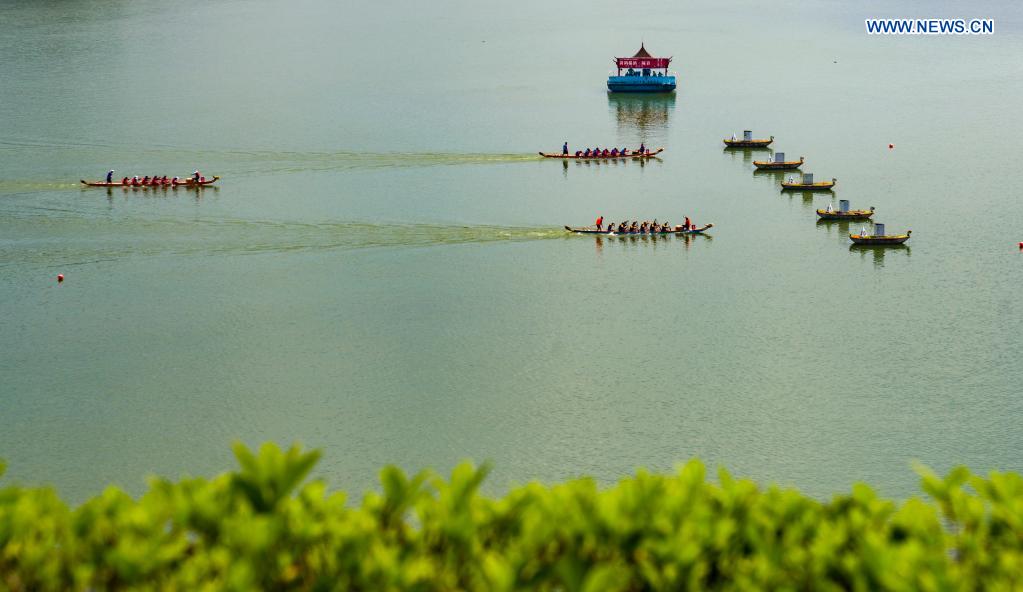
[381, 272]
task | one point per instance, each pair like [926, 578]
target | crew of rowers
[645, 227]
[156, 180]
[604, 152]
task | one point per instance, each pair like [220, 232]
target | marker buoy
[891, 146]
[1021, 246]
[60, 276]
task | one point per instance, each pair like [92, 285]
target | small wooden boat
[807, 184]
[778, 164]
[629, 154]
[748, 141]
[880, 239]
[186, 182]
[846, 215]
[676, 230]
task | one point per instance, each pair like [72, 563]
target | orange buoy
[60, 276]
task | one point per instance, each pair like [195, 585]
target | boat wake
[8, 187]
[230, 162]
[70, 240]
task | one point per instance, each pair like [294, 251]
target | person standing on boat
[642, 148]
[110, 176]
[687, 225]
[600, 222]
[195, 175]
[564, 149]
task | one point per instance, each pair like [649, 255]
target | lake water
[381, 271]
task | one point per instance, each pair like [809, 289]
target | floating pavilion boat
[628, 154]
[879, 238]
[844, 213]
[675, 230]
[778, 164]
[807, 184]
[748, 141]
[186, 183]
[643, 74]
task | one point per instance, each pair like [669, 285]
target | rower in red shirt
[600, 222]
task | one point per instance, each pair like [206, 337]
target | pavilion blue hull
[641, 84]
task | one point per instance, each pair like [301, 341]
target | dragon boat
[807, 184]
[778, 164]
[748, 141]
[187, 182]
[844, 213]
[675, 230]
[629, 154]
[879, 238]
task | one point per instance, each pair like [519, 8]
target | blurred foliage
[265, 527]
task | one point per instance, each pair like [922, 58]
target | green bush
[261, 528]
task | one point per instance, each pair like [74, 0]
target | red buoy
[60, 276]
[891, 146]
[1021, 246]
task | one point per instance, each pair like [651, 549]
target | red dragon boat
[186, 183]
[630, 154]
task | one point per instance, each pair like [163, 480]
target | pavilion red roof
[642, 59]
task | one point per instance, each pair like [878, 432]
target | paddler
[600, 222]
[687, 225]
[642, 148]
[110, 176]
[564, 149]
[195, 176]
